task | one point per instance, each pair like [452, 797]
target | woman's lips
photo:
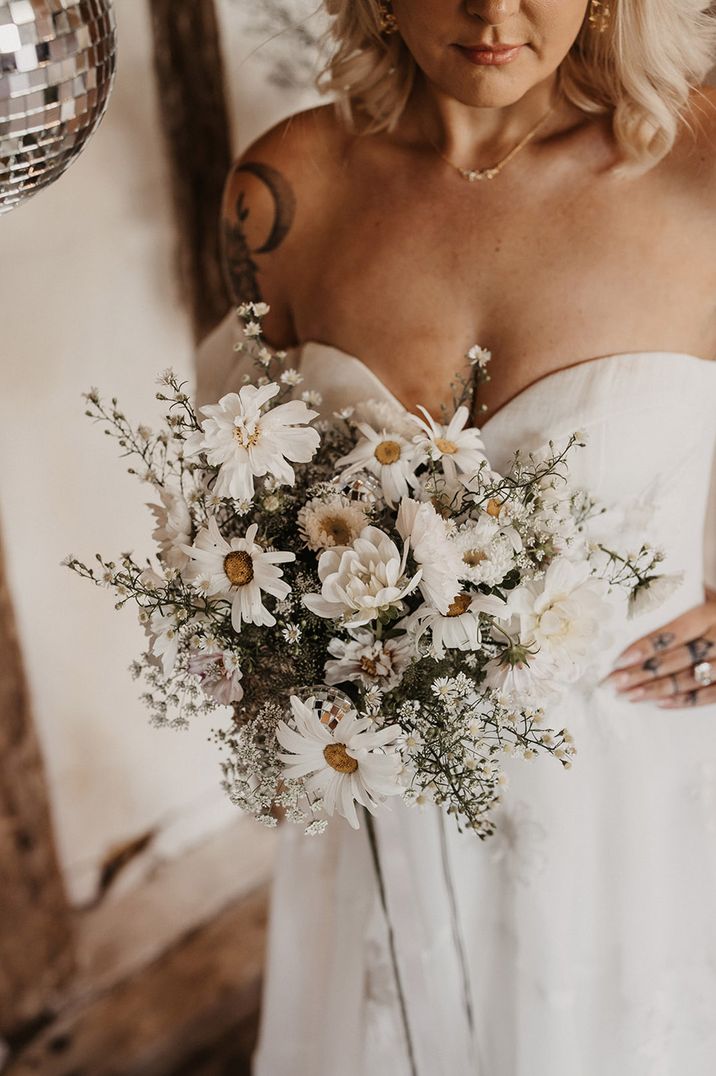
[490, 57]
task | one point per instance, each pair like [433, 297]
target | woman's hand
[672, 666]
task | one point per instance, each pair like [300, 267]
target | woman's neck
[466, 133]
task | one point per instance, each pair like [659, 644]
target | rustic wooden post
[194, 113]
[36, 946]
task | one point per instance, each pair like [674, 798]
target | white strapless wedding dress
[587, 924]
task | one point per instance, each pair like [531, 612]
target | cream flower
[370, 661]
[565, 613]
[458, 450]
[387, 455]
[336, 521]
[345, 766]
[164, 635]
[220, 676]
[239, 570]
[362, 581]
[173, 528]
[426, 533]
[651, 594]
[245, 439]
[486, 554]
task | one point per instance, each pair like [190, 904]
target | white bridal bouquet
[384, 613]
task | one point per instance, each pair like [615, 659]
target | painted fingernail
[629, 657]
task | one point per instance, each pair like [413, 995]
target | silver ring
[703, 673]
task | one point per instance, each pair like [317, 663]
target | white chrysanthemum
[653, 592]
[426, 533]
[336, 521]
[220, 676]
[245, 439]
[370, 661]
[173, 528]
[362, 581]
[459, 627]
[343, 767]
[522, 682]
[487, 555]
[565, 613]
[240, 570]
[458, 450]
[389, 456]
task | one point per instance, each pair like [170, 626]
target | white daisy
[458, 450]
[245, 439]
[345, 766]
[240, 570]
[426, 532]
[173, 528]
[362, 581]
[335, 521]
[459, 627]
[387, 455]
[370, 661]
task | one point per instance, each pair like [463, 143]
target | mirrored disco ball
[329, 703]
[363, 487]
[57, 64]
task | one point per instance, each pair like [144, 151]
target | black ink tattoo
[675, 682]
[241, 268]
[700, 648]
[652, 665]
[691, 697]
[663, 640]
[284, 201]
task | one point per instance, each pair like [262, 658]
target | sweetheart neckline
[522, 392]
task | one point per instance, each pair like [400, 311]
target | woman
[538, 177]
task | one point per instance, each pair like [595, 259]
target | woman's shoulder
[273, 198]
[303, 147]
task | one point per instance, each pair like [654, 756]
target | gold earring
[388, 21]
[599, 15]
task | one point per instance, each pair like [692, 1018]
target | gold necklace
[471, 174]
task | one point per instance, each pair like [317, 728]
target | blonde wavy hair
[641, 69]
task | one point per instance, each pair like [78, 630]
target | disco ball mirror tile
[57, 65]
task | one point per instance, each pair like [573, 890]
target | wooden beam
[36, 937]
[190, 1013]
[195, 122]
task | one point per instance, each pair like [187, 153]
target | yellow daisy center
[449, 448]
[387, 452]
[493, 507]
[238, 567]
[459, 605]
[336, 756]
[473, 557]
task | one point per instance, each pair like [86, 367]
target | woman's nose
[493, 12]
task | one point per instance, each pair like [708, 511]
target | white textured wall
[87, 298]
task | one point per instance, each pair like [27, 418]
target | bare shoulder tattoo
[241, 268]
